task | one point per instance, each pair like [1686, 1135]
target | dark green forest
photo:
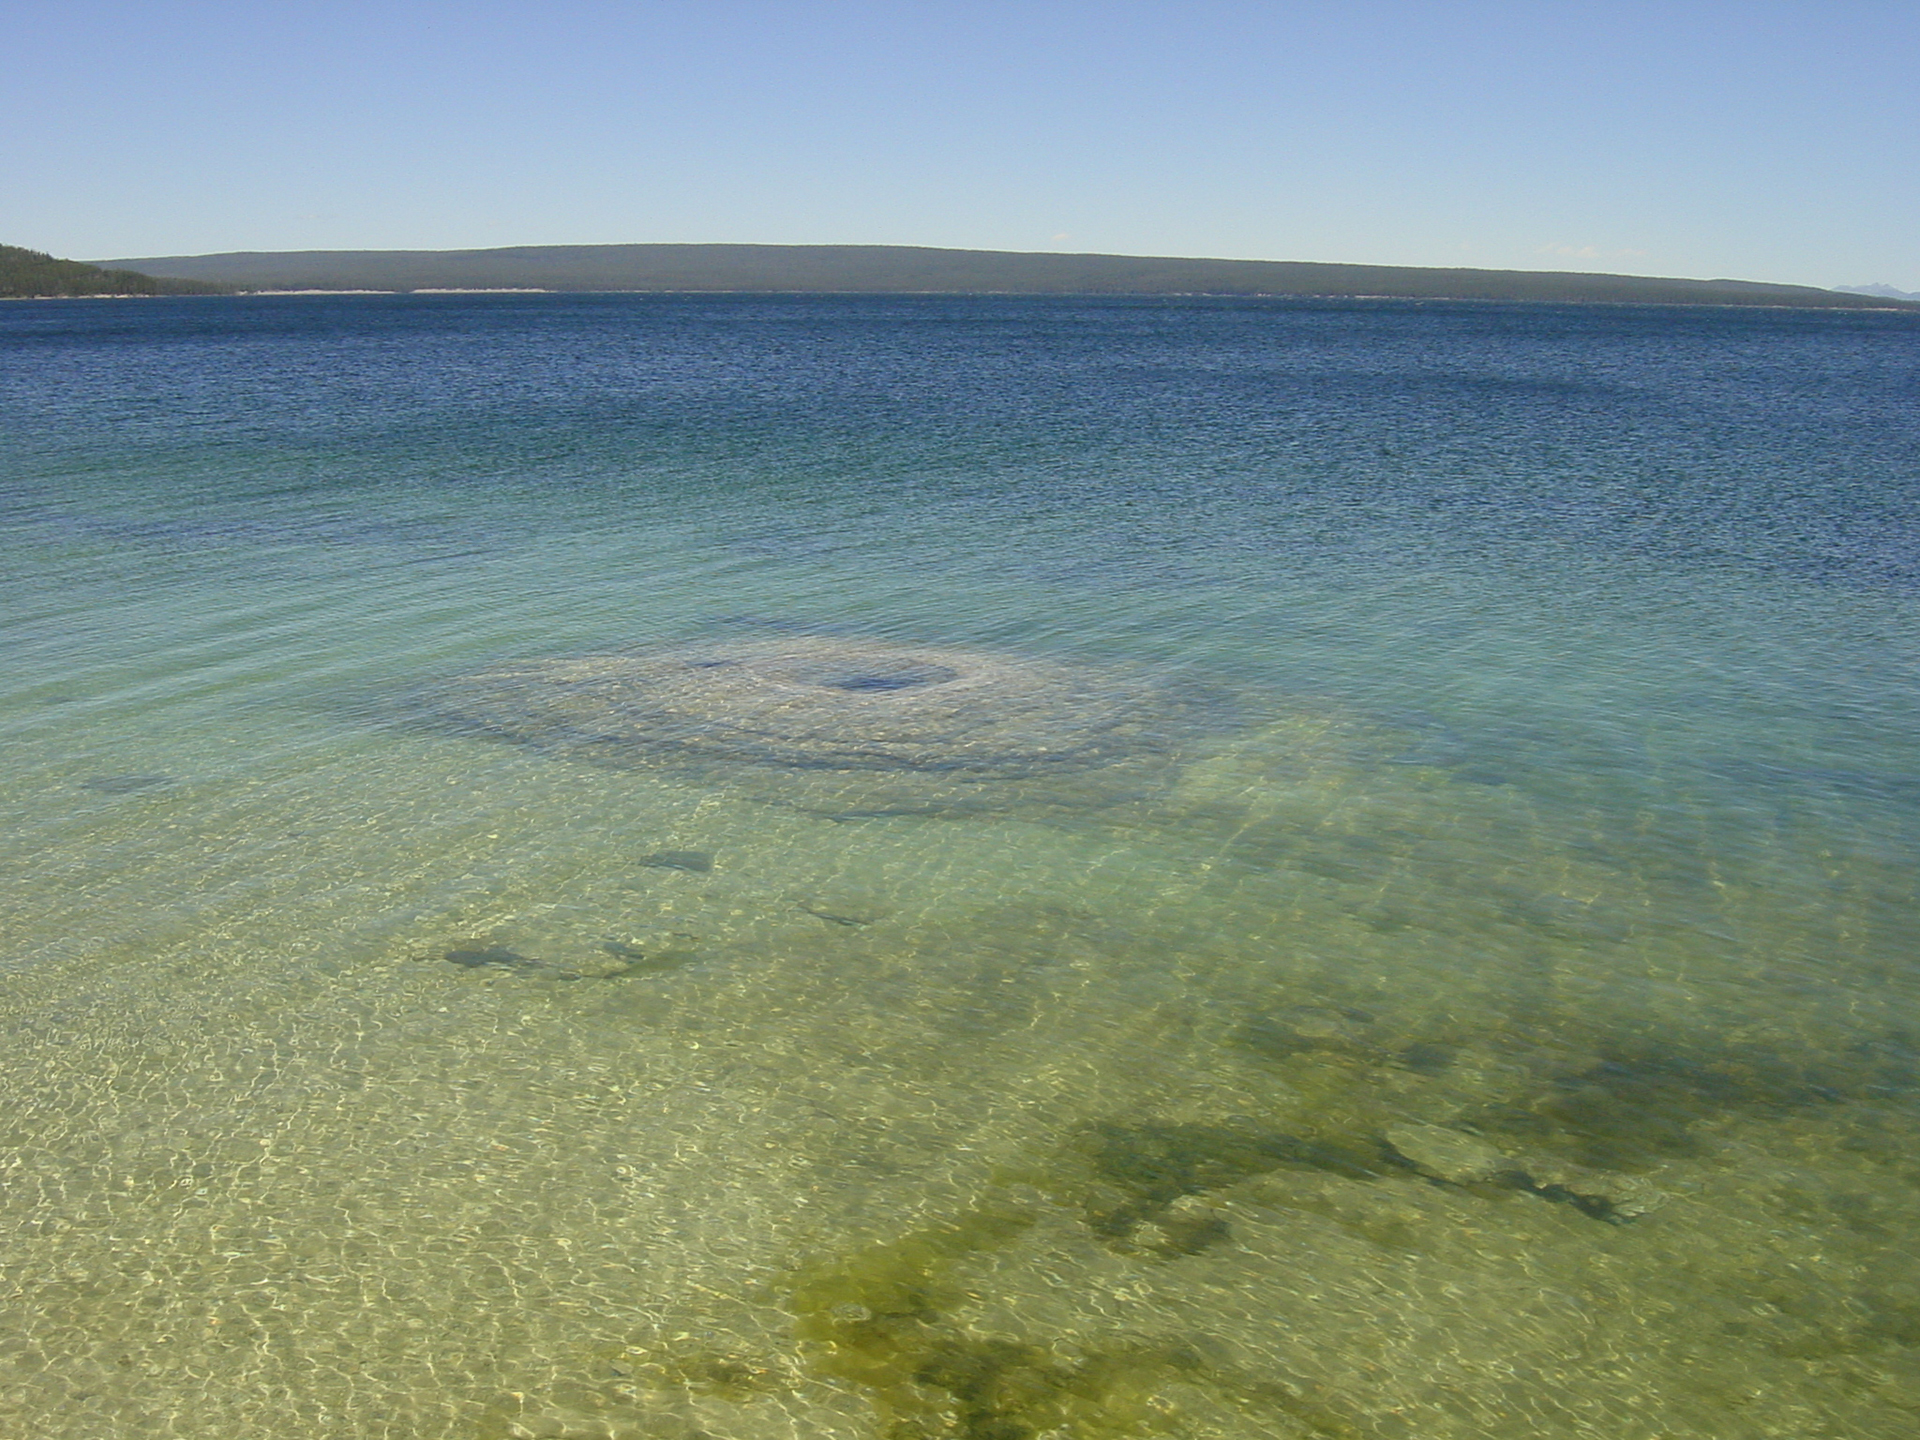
[30, 274]
[901, 269]
[863, 269]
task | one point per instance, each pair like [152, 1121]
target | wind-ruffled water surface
[1498, 1019]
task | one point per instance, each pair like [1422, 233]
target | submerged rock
[124, 784]
[694, 862]
[493, 957]
[836, 917]
[1456, 1158]
[498, 957]
[1447, 1154]
[634, 961]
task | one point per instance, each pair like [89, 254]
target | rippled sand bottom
[1316, 1095]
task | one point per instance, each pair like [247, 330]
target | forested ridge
[903, 269]
[33, 274]
[864, 269]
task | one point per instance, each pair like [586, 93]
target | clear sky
[1743, 138]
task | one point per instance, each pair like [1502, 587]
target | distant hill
[1883, 292]
[29, 274]
[899, 269]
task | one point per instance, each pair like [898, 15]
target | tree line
[33, 274]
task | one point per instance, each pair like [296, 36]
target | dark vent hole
[906, 677]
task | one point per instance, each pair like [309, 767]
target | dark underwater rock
[124, 784]
[1446, 1154]
[841, 914]
[694, 862]
[1145, 1172]
[498, 957]
[635, 961]
[495, 957]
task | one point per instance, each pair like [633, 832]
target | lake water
[1478, 1001]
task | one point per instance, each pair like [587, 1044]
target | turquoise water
[1484, 1005]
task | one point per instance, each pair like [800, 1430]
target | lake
[928, 868]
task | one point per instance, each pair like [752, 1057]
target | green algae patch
[1642, 1101]
[669, 1364]
[1142, 1172]
[876, 1317]
[883, 1321]
[889, 1320]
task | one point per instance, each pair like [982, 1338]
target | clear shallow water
[1506, 1025]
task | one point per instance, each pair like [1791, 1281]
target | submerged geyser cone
[852, 707]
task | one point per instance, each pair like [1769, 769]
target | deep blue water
[1756, 440]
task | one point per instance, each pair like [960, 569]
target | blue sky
[1767, 141]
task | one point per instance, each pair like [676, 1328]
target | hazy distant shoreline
[912, 270]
